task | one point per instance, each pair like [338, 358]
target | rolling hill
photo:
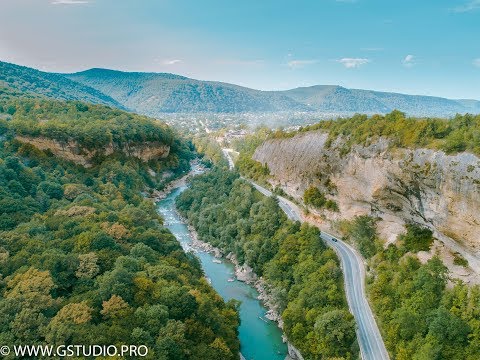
[55, 86]
[157, 94]
[337, 98]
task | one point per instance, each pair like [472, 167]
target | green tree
[417, 238]
[313, 196]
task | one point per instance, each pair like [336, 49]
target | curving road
[368, 334]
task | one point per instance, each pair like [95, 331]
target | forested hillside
[153, 94]
[55, 86]
[89, 133]
[461, 133]
[339, 99]
[304, 275]
[84, 257]
[156, 93]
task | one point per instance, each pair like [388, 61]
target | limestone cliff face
[72, 151]
[398, 185]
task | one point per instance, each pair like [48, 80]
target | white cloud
[172, 62]
[69, 2]
[476, 62]
[468, 6]
[296, 64]
[351, 63]
[409, 61]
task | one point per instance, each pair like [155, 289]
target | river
[260, 338]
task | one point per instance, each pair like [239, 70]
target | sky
[428, 47]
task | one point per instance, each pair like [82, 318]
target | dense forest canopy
[84, 257]
[461, 133]
[304, 275]
[210, 150]
[92, 126]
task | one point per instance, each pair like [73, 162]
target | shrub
[417, 238]
[458, 259]
[314, 197]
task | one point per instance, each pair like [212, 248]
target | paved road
[369, 338]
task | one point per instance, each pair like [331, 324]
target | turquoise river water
[260, 338]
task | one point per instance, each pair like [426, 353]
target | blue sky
[429, 47]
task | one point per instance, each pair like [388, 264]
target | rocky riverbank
[158, 195]
[195, 168]
[243, 273]
[246, 274]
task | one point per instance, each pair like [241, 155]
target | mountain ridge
[157, 94]
[50, 85]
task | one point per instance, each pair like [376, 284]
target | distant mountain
[28, 80]
[336, 98]
[156, 93]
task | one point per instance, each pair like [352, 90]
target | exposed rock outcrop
[293, 353]
[245, 273]
[72, 151]
[398, 185]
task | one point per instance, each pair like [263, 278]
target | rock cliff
[397, 185]
[72, 151]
